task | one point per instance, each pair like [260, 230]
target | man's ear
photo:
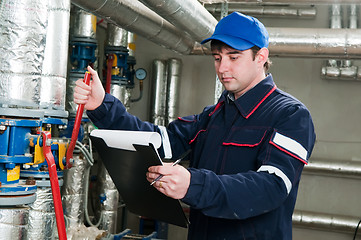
[262, 55]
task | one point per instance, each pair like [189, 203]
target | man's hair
[218, 45]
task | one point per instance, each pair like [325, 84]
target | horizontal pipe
[265, 11]
[282, 1]
[313, 42]
[324, 221]
[348, 169]
[187, 15]
[135, 17]
[310, 42]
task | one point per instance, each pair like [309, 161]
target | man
[248, 151]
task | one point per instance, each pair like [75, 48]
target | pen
[160, 176]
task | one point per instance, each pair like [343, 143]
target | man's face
[237, 70]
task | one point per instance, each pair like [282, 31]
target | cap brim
[236, 43]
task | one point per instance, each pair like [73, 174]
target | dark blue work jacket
[246, 161]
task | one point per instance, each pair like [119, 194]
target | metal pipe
[22, 36]
[109, 208]
[324, 221]
[14, 223]
[159, 90]
[315, 42]
[282, 1]
[137, 18]
[265, 11]
[187, 15]
[174, 78]
[54, 68]
[345, 169]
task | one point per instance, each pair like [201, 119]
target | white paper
[126, 139]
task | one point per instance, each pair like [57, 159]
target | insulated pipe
[187, 15]
[324, 221]
[136, 17]
[265, 11]
[159, 80]
[54, 68]
[345, 169]
[313, 42]
[174, 78]
[310, 42]
[283, 1]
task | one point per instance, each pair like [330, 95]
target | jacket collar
[248, 103]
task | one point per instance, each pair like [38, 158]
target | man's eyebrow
[234, 52]
[228, 53]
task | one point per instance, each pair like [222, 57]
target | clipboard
[128, 168]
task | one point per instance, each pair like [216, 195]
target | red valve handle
[74, 135]
[54, 182]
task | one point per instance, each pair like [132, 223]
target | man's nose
[223, 66]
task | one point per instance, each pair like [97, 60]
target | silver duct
[118, 37]
[54, 68]
[265, 11]
[42, 223]
[311, 42]
[23, 33]
[187, 15]
[159, 90]
[174, 78]
[83, 26]
[109, 208]
[281, 1]
[131, 44]
[336, 69]
[344, 169]
[14, 223]
[323, 221]
[73, 192]
[137, 18]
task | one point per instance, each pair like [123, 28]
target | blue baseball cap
[240, 32]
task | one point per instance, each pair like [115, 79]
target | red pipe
[109, 73]
[74, 135]
[54, 182]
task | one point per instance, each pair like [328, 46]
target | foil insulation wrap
[14, 222]
[54, 69]
[22, 36]
[109, 208]
[174, 77]
[73, 191]
[116, 36]
[70, 105]
[83, 23]
[131, 44]
[159, 88]
[122, 93]
[42, 222]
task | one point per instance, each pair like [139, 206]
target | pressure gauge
[140, 74]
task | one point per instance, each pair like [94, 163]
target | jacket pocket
[245, 137]
[242, 148]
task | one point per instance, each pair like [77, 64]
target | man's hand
[91, 96]
[175, 181]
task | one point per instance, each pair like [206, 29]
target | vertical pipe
[174, 76]
[109, 208]
[159, 90]
[54, 68]
[14, 223]
[22, 37]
